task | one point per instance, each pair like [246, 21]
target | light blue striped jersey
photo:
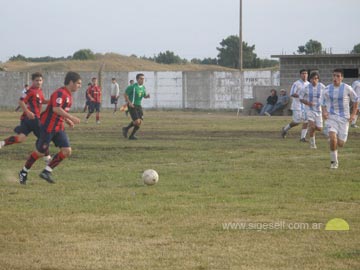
[296, 88]
[313, 94]
[337, 99]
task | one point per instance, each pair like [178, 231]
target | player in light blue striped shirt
[336, 110]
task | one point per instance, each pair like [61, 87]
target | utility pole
[240, 39]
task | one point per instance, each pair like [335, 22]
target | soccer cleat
[313, 146]
[283, 133]
[266, 113]
[352, 125]
[303, 140]
[334, 165]
[47, 176]
[132, 138]
[98, 122]
[124, 132]
[2, 144]
[22, 177]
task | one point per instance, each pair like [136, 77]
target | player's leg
[90, 111]
[137, 122]
[22, 131]
[296, 119]
[134, 116]
[97, 108]
[61, 140]
[304, 128]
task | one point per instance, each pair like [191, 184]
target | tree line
[228, 55]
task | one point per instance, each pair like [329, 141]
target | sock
[56, 160]
[11, 140]
[97, 118]
[312, 140]
[303, 133]
[354, 121]
[136, 128]
[287, 128]
[130, 125]
[333, 156]
[31, 160]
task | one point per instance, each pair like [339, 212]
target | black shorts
[94, 106]
[27, 126]
[136, 112]
[114, 100]
[60, 139]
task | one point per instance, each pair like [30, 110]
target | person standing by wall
[114, 92]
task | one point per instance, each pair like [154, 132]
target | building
[290, 65]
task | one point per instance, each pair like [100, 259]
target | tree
[229, 54]
[84, 54]
[169, 57]
[356, 49]
[19, 57]
[311, 47]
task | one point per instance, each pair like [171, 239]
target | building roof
[289, 56]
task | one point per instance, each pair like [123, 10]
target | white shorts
[315, 117]
[339, 125]
[299, 116]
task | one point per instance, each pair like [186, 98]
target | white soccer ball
[150, 177]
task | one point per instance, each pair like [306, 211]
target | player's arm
[355, 99]
[28, 113]
[126, 97]
[69, 122]
[88, 95]
[60, 111]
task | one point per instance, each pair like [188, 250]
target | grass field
[232, 195]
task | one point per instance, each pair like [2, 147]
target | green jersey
[135, 93]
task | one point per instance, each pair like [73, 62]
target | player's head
[37, 79]
[314, 77]
[273, 92]
[26, 86]
[131, 82]
[72, 81]
[303, 74]
[113, 80]
[338, 76]
[94, 80]
[140, 77]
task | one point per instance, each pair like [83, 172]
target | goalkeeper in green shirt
[133, 97]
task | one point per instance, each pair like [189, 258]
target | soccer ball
[150, 177]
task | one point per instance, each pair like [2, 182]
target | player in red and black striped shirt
[52, 128]
[31, 104]
[94, 94]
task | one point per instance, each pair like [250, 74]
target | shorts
[114, 100]
[94, 106]
[60, 139]
[27, 126]
[339, 125]
[315, 117]
[299, 116]
[136, 112]
[87, 103]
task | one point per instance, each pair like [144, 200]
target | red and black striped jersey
[49, 119]
[95, 92]
[33, 98]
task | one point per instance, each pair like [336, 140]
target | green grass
[214, 168]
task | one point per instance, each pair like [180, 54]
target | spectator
[270, 102]
[281, 103]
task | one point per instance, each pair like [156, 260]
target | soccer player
[87, 99]
[115, 92]
[356, 87]
[94, 94]
[26, 87]
[311, 97]
[299, 114]
[31, 103]
[133, 97]
[52, 128]
[336, 110]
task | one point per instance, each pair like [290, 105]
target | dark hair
[313, 74]
[139, 75]
[339, 70]
[273, 90]
[26, 85]
[89, 83]
[93, 78]
[36, 75]
[71, 77]
[113, 79]
[303, 70]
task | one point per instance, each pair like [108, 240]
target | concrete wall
[168, 90]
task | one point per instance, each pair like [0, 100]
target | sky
[189, 28]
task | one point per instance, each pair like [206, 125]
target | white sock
[25, 170]
[312, 140]
[333, 156]
[47, 168]
[287, 127]
[303, 133]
